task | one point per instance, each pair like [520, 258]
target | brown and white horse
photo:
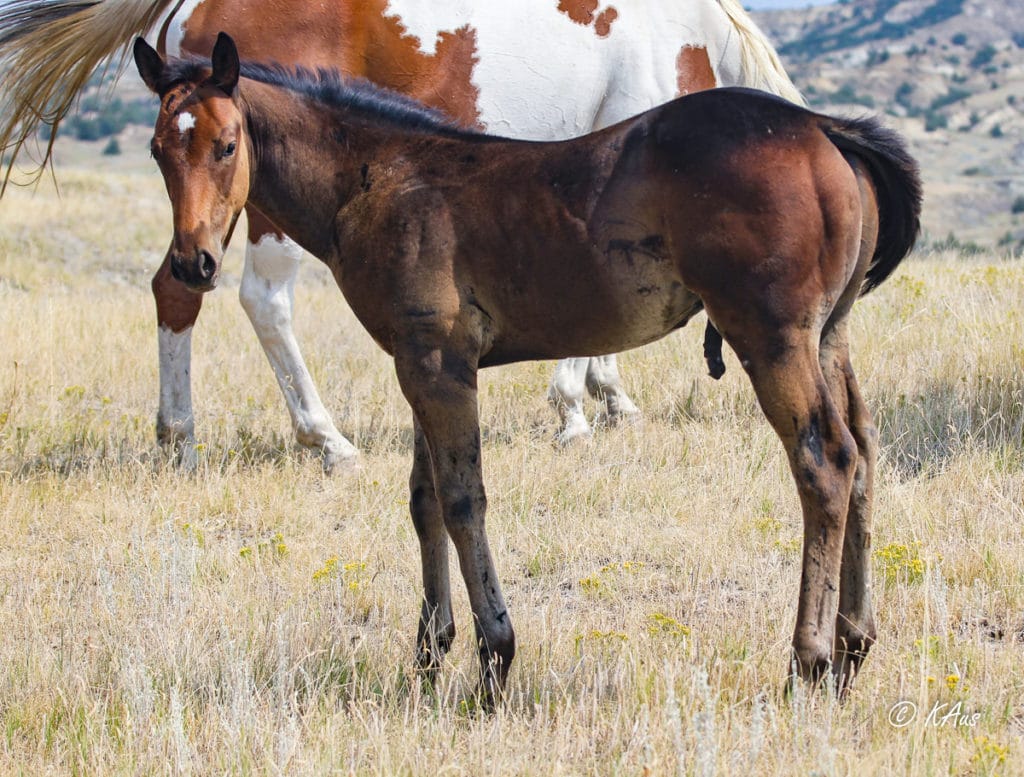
[531, 69]
[458, 250]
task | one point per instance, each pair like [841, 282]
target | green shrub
[934, 121]
[952, 243]
[954, 95]
[983, 56]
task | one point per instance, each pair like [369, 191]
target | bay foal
[532, 69]
[458, 250]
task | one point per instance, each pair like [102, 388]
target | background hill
[949, 74]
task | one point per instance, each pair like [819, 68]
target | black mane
[331, 88]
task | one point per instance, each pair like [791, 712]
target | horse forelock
[181, 72]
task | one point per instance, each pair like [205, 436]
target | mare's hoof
[187, 458]
[618, 413]
[576, 430]
[179, 442]
[183, 453]
[340, 459]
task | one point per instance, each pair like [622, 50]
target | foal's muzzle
[198, 272]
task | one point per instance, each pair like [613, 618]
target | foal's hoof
[808, 668]
[620, 409]
[851, 651]
[489, 695]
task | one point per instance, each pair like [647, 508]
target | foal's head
[201, 148]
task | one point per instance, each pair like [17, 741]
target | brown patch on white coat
[582, 12]
[693, 70]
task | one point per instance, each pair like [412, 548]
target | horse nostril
[207, 265]
[177, 269]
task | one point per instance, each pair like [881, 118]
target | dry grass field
[258, 617]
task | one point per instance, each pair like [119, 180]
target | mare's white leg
[566, 394]
[604, 383]
[268, 295]
[174, 422]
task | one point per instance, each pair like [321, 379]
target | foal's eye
[229, 149]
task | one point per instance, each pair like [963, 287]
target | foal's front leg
[437, 628]
[440, 384]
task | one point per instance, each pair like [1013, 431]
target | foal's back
[611, 240]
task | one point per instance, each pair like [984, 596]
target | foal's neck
[305, 163]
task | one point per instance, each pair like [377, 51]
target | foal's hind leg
[440, 384]
[794, 396]
[855, 624]
[437, 628]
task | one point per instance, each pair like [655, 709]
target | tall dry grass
[258, 617]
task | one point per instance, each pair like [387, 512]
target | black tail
[897, 181]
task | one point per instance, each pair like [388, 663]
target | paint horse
[579, 68]
[458, 250]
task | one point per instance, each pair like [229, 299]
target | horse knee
[269, 307]
[602, 375]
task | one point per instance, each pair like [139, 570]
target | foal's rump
[751, 166]
[735, 188]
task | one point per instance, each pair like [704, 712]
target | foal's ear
[225, 64]
[149, 63]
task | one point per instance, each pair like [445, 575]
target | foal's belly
[607, 309]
